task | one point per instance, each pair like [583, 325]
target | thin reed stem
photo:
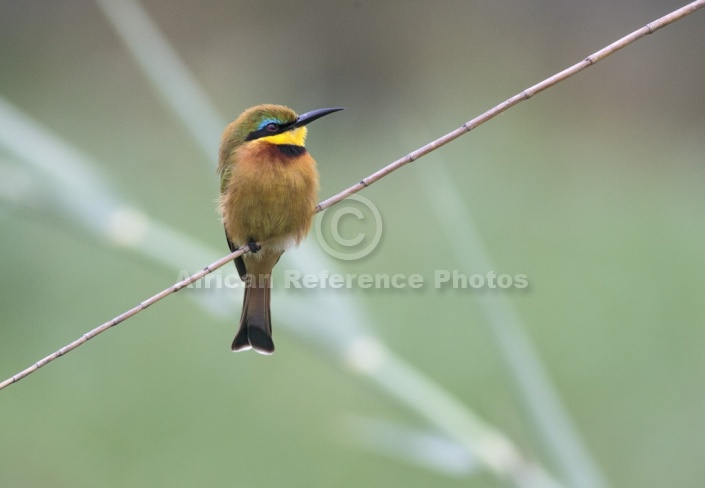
[649, 28]
[126, 315]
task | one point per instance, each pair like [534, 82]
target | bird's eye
[272, 127]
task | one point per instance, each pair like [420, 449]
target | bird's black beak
[309, 117]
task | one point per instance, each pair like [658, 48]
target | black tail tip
[241, 343]
[256, 339]
[260, 341]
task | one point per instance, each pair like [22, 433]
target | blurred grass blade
[166, 71]
[417, 448]
[15, 185]
[88, 198]
[548, 417]
[491, 448]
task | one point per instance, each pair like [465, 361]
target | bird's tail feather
[255, 323]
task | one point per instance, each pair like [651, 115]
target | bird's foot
[254, 247]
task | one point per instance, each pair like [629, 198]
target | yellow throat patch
[296, 137]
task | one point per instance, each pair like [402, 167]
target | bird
[268, 190]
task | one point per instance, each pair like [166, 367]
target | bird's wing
[239, 262]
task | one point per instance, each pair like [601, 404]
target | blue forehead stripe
[264, 123]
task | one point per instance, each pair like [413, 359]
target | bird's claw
[254, 247]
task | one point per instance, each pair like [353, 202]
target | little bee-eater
[268, 190]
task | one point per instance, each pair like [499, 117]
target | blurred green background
[594, 190]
